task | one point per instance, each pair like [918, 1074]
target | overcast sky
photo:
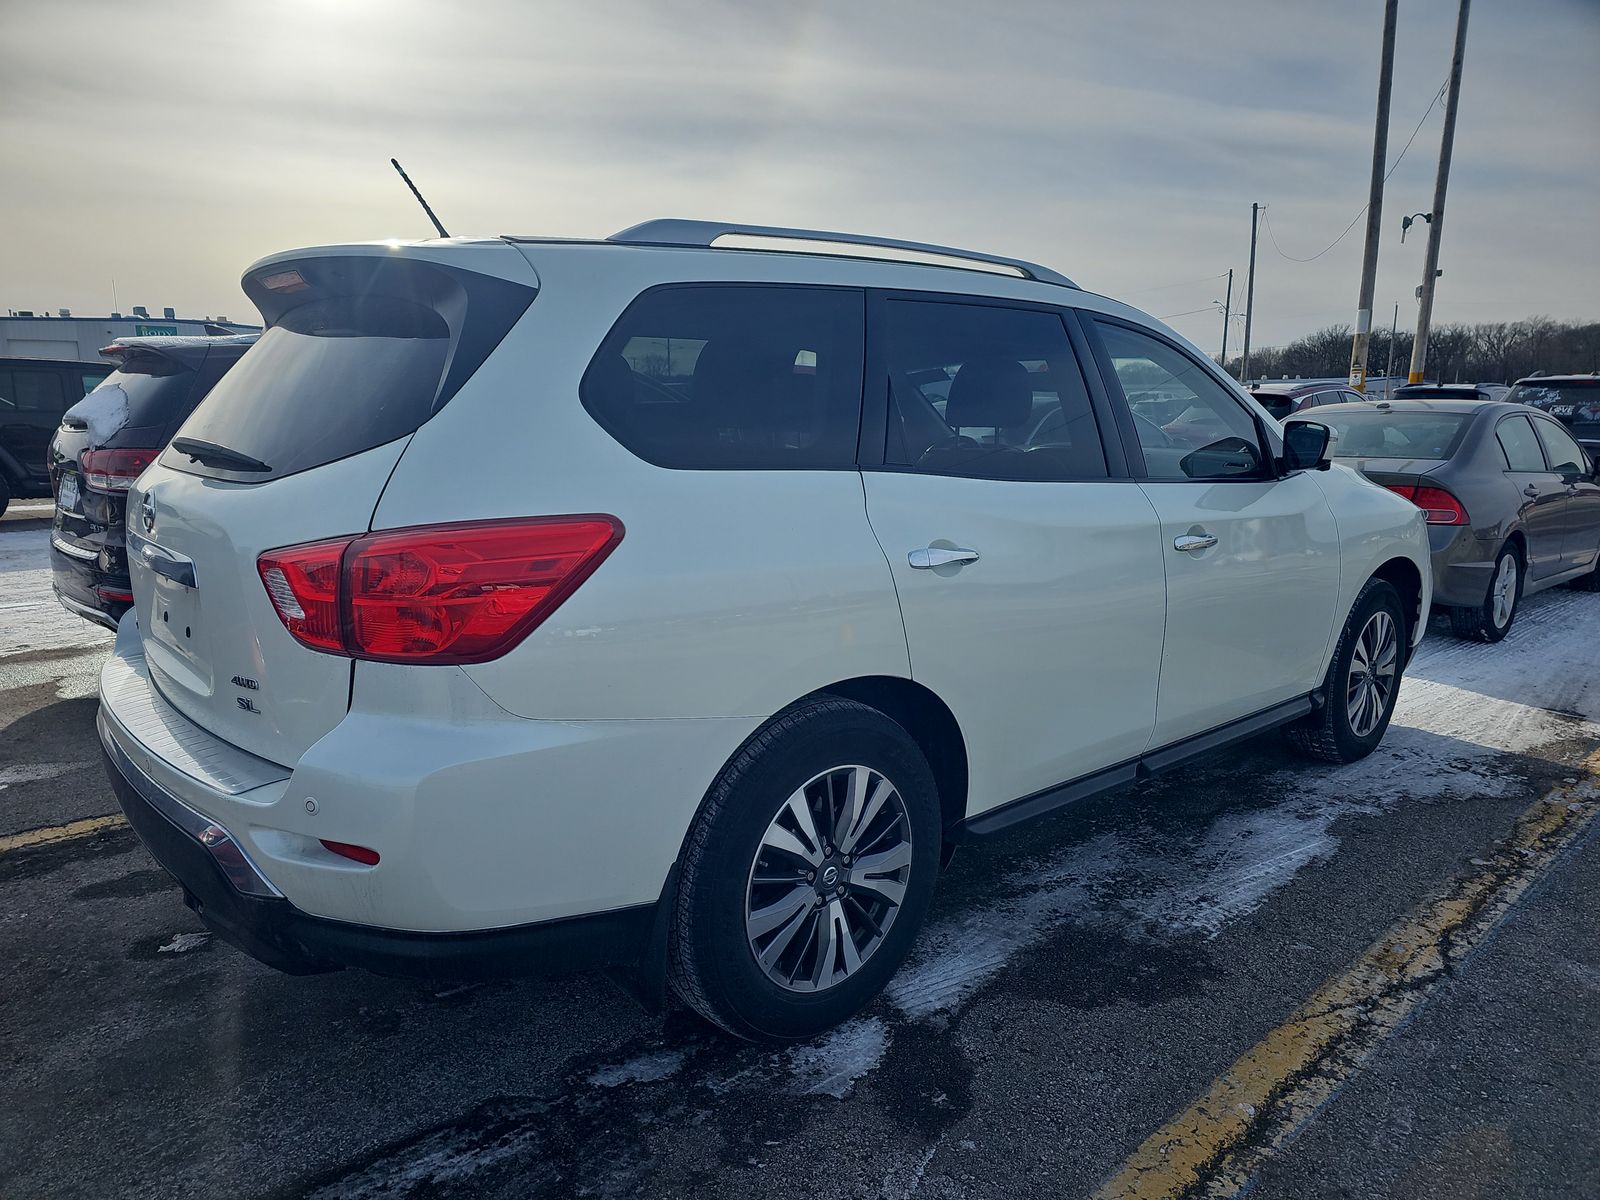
[167, 146]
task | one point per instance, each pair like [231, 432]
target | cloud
[1121, 143]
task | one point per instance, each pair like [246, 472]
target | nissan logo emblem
[147, 512]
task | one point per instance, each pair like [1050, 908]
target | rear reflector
[115, 470]
[114, 595]
[1437, 505]
[434, 593]
[360, 854]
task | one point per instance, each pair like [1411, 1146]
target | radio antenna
[395, 163]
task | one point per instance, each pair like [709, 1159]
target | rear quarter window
[733, 376]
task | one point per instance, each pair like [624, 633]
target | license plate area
[67, 499]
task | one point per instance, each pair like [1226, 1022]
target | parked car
[526, 603]
[34, 392]
[1574, 400]
[1451, 391]
[1297, 395]
[1512, 501]
[104, 441]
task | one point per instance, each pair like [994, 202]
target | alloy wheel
[828, 878]
[1373, 672]
[1503, 592]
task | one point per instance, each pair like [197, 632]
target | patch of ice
[183, 943]
[644, 1068]
[34, 772]
[832, 1064]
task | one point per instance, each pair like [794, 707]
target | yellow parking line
[30, 838]
[1258, 1104]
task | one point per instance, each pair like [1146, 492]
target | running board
[1155, 762]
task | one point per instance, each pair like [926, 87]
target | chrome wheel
[1373, 670]
[1503, 591]
[828, 878]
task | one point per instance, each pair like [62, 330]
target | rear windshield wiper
[214, 455]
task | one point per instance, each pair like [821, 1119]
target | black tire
[711, 963]
[1589, 582]
[5, 495]
[1478, 624]
[1327, 733]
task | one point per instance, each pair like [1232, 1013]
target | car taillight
[435, 593]
[1437, 505]
[115, 470]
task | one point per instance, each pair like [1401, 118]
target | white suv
[669, 606]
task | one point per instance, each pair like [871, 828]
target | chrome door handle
[1531, 492]
[933, 556]
[1189, 542]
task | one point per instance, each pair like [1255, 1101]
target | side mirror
[1229, 458]
[1305, 446]
[1571, 472]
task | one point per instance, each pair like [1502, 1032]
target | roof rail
[673, 232]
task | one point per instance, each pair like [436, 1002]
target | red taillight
[114, 595]
[436, 593]
[360, 854]
[1437, 505]
[115, 470]
[303, 583]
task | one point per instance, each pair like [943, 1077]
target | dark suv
[105, 441]
[1574, 400]
[34, 392]
[1295, 395]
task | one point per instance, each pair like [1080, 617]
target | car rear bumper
[508, 846]
[235, 899]
[1462, 565]
[86, 583]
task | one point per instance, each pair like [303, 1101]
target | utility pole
[1380, 154]
[1227, 313]
[1388, 371]
[1249, 297]
[1430, 267]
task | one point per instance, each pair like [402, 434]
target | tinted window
[752, 377]
[1178, 408]
[359, 351]
[37, 391]
[994, 393]
[1545, 395]
[1563, 452]
[1521, 447]
[1379, 434]
[147, 389]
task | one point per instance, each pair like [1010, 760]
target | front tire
[1363, 681]
[806, 874]
[1491, 620]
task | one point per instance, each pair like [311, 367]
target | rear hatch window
[145, 391]
[358, 352]
[1382, 434]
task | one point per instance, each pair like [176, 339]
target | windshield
[1380, 434]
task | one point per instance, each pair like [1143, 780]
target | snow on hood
[104, 410]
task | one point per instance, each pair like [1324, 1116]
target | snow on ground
[31, 618]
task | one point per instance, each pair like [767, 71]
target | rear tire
[1363, 681]
[5, 494]
[756, 946]
[1491, 620]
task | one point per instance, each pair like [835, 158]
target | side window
[1565, 456]
[993, 393]
[1521, 448]
[90, 382]
[1179, 409]
[38, 391]
[733, 376]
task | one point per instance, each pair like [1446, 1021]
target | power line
[1162, 287]
[1189, 312]
[1437, 96]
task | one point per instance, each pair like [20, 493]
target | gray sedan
[1513, 502]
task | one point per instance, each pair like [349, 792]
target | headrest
[989, 393]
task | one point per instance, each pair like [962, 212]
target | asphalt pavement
[1080, 985]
